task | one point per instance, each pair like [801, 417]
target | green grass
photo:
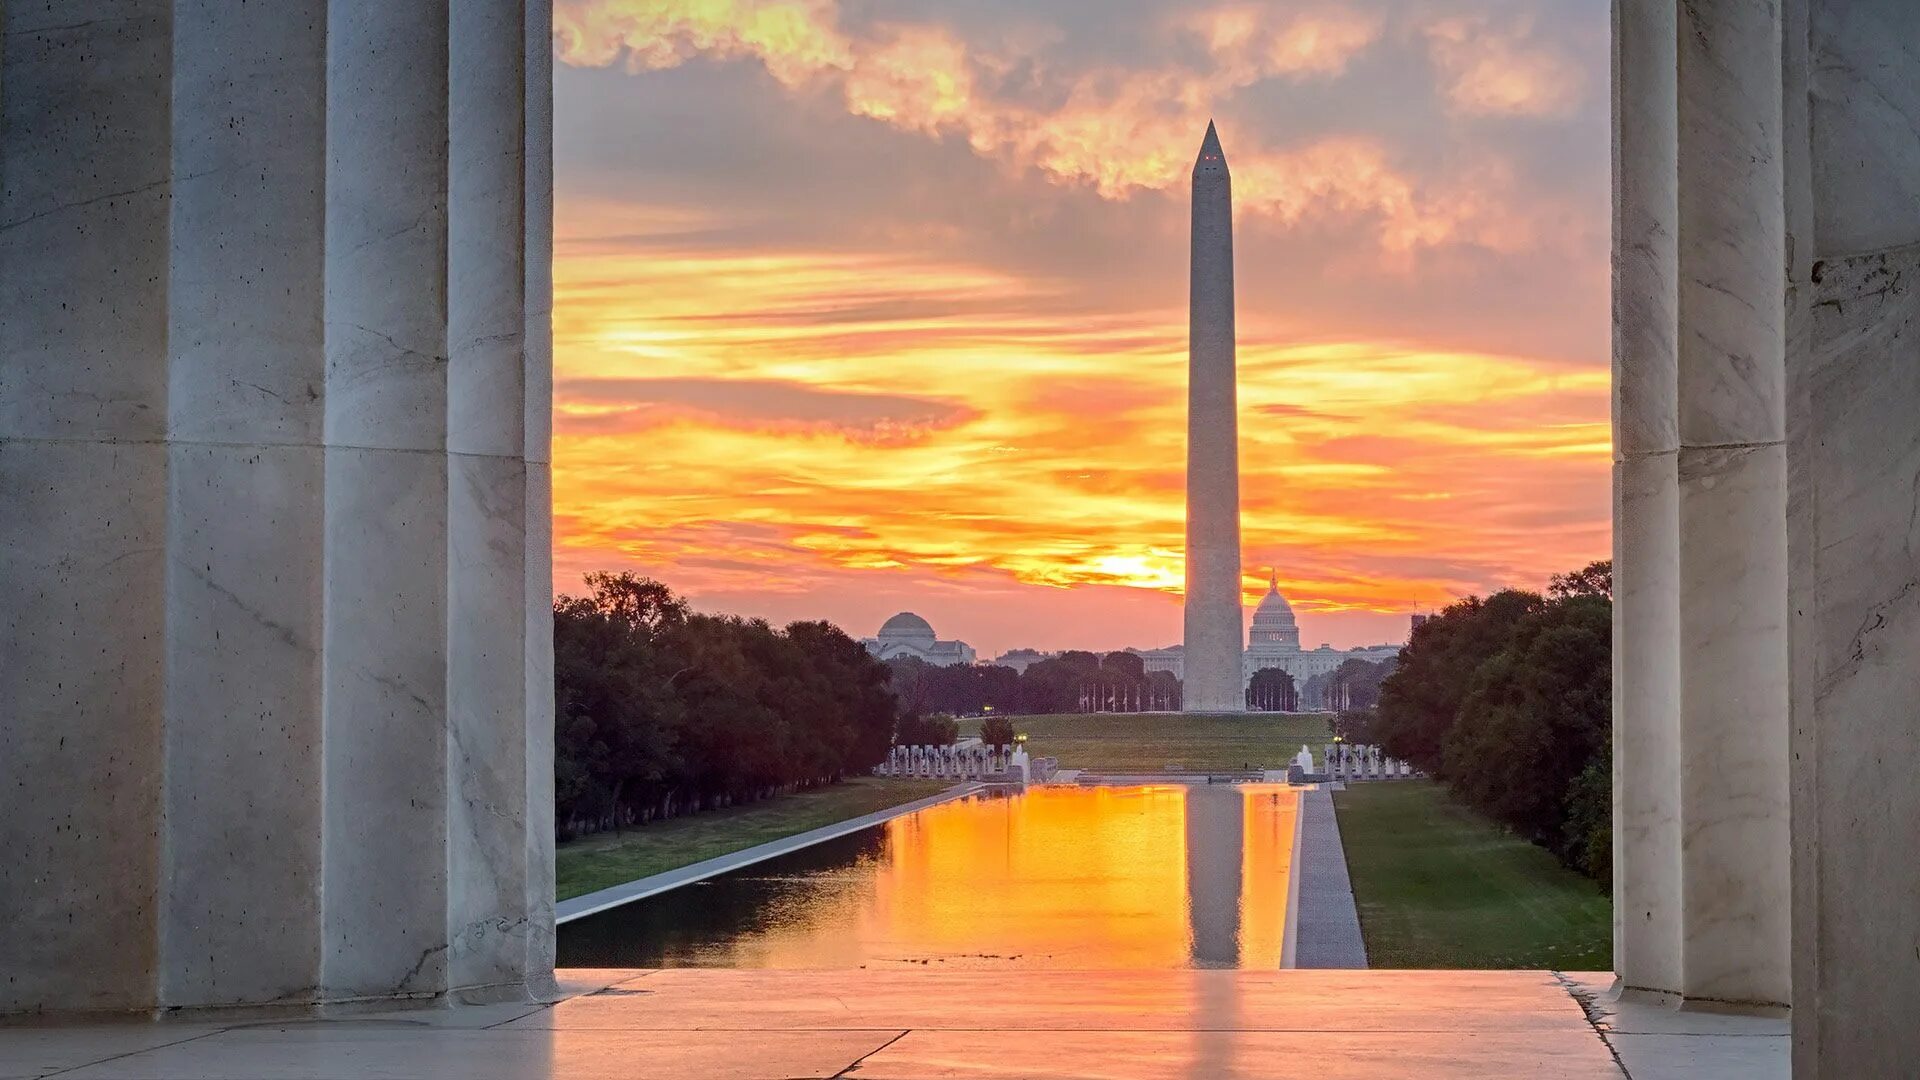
[1149, 742]
[613, 858]
[1439, 886]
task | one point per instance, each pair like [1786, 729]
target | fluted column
[1853, 80]
[1732, 507]
[386, 432]
[275, 650]
[1646, 528]
[491, 588]
[84, 171]
[244, 542]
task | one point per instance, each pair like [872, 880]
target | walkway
[1325, 921]
[967, 1025]
[600, 900]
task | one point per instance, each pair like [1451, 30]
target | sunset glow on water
[1058, 877]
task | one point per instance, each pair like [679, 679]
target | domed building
[1273, 627]
[1273, 641]
[907, 634]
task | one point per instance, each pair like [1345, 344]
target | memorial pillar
[275, 551]
[1734, 797]
[1853, 96]
[85, 160]
[244, 544]
[1646, 528]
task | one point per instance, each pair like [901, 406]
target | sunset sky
[871, 305]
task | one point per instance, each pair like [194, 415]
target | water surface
[1058, 877]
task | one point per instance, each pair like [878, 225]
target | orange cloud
[1495, 72]
[734, 420]
[1118, 131]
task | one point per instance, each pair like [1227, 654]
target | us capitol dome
[907, 634]
[1273, 641]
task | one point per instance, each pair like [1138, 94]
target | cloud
[1504, 71]
[608, 405]
[1119, 130]
[1250, 44]
[863, 307]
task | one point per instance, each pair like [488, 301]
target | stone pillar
[491, 498]
[1646, 499]
[274, 307]
[85, 158]
[1732, 509]
[386, 517]
[244, 591]
[1853, 106]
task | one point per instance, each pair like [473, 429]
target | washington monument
[1211, 676]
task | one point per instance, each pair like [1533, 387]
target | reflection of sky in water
[1061, 877]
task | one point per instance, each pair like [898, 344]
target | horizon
[857, 316]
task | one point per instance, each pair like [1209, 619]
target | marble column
[1853, 82]
[1646, 527]
[1732, 507]
[84, 171]
[247, 374]
[274, 303]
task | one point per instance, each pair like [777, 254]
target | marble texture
[1662, 1042]
[1646, 734]
[1734, 796]
[84, 189]
[82, 618]
[1863, 101]
[1158, 1025]
[246, 376]
[1212, 679]
[1732, 233]
[1860, 492]
[242, 724]
[1734, 735]
[386, 723]
[386, 220]
[280, 663]
[1646, 532]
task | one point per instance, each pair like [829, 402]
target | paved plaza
[924, 1025]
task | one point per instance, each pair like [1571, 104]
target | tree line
[660, 710]
[1075, 681]
[1508, 701]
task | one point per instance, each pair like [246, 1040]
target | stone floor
[926, 1025]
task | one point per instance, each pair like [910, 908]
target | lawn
[1149, 742]
[1439, 886]
[606, 859]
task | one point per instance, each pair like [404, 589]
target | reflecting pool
[1055, 877]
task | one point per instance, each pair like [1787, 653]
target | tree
[1538, 712]
[996, 731]
[1271, 690]
[1420, 700]
[1593, 579]
[1355, 726]
[659, 710]
[1126, 665]
[936, 730]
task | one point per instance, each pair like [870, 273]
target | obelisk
[1211, 666]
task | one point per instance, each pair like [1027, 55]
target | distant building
[1273, 641]
[907, 634]
[1022, 659]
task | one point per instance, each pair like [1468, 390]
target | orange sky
[859, 314]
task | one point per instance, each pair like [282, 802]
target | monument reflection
[1056, 877]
